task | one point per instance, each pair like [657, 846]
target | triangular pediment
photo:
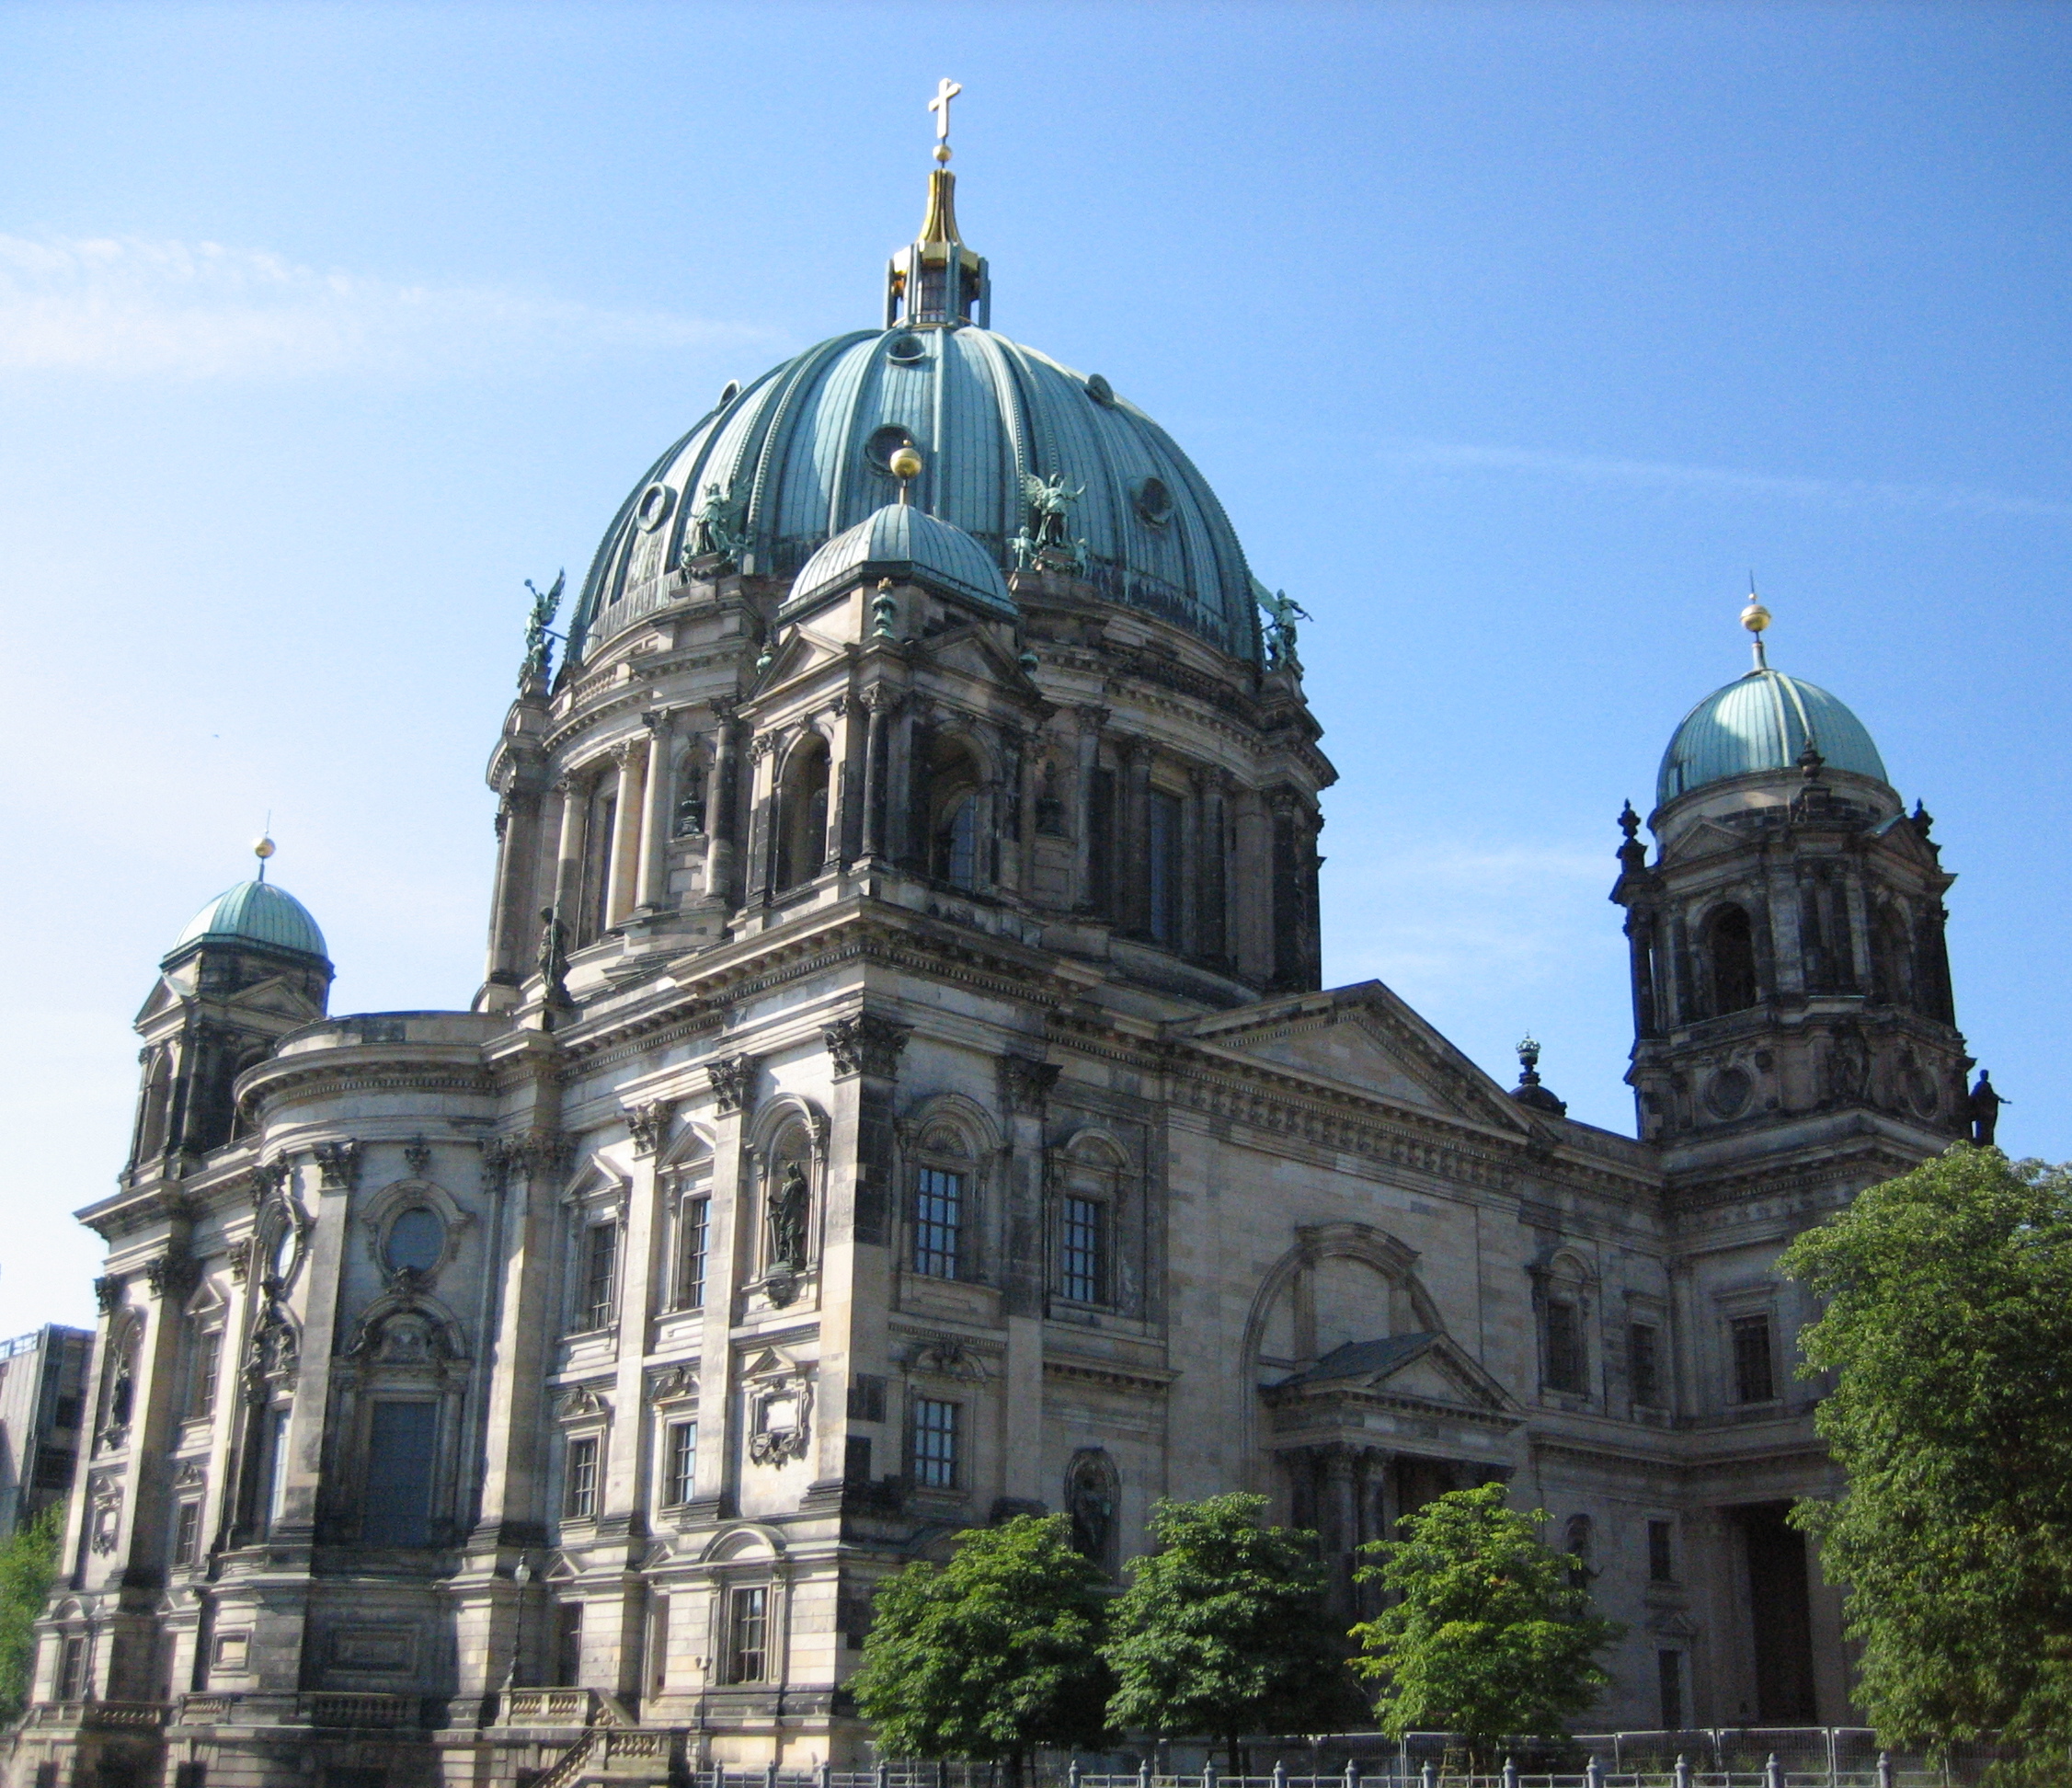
[971, 651]
[1707, 838]
[1432, 1369]
[1365, 1039]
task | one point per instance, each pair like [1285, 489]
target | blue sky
[1512, 338]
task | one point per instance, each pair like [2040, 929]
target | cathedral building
[902, 1093]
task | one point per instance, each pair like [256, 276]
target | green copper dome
[1763, 722]
[255, 912]
[904, 542]
[802, 454]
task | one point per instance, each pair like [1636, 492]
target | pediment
[276, 996]
[800, 652]
[970, 650]
[1707, 838]
[1368, 1040]
[1430, 1368]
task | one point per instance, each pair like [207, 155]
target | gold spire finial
[263, 847]
[1756, 617]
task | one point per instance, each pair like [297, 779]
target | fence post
[884, 1774]
[1683, 1771]
[1593, 1777]
[1352, 1773]
[1884, 1769]
[1427, 1777]
[826, 1775]
[1071, 1773]
[1281, 1773]
[1773, 1772]
[1208, 1771]
[1510, 1774]
[1144, 1774]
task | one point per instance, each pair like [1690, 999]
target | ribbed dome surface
[1762, 722]
[900, 541]
[800, 455]
[255, 912]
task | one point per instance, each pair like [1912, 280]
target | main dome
[801, 454]
[1763, 722]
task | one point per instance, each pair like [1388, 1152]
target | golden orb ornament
[1755, 617]
[943, 152]
[263, 848]
[905, 464]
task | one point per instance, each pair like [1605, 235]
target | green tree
[28, 1564]
[1949, 1328]
[1489, 1636]
[1223, 1630]
[991, 1654]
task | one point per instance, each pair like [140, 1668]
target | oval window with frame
[416, 1241]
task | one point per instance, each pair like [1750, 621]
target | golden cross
[946, 91]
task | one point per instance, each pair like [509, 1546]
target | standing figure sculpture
[539, 647]
[1984, 1110]
[553, 958]
[789, 1207]
[1283, 611]
[1046, 541]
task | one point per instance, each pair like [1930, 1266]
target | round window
[416, 1240]
[1101, 391]
[1153, 501]
[908, 349]
[655, 502]
[884, 442]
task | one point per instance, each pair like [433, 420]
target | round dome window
[1101, 391]
[908, 349]
[884, 442]
[653, 510]
[1153, 500]
[416, 1240]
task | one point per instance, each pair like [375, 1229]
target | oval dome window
[1153, 500]
[416, 1240]
[907, 350]
[1101, 391]
[884, 442]
[655, 502]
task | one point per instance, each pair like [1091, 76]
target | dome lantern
[936, 281]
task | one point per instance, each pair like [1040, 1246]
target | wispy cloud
[1717, 481]
[124, 308]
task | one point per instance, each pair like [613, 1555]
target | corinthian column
[622, 846]
[655, 809]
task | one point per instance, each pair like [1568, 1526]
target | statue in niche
[691, 809]
[1049, 806]
[553, 957]
[789, 1207]
[1089, 1503]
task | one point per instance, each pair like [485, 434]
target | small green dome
[900, 541]
[1762, 722]
[255, 912]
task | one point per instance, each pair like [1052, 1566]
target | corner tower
[1787, 942]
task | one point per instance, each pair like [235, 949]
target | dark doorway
[1782, 1615]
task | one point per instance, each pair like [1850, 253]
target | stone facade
[919, 1105]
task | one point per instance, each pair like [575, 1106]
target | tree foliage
[991, 1654]
[1223, 1631]
[28, 1562]
[1489, 1636]
[1949, 1328]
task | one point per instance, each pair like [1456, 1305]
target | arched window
[1892, 956]
[1730, 943]
[953, 817]
[801, 814]
[1578, 1539]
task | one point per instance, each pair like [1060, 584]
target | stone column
[518, 829]
[845, 752]
[656, 809]
[733, 1081]
[1189, 941]
[1024, 1086]
[1252, 889]
[623, 848]
[574, 790]
[1091, 721]
[878, 703]
[763, 819]
[1132, 840]
[723, 802]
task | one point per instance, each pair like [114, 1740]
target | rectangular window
[934, 1443]
[748, 1634]
[578, 1490]
[1755, 1375]
[277, 1463]
[188, 1775]
[1644, 1362]
[1670, 1675]
[67, 1415]
[691, 1259]
[208, 1363]
[186, 1534]
[1661, 1558]
[568, 1644]
[856, 1459]
[72, 1670]
[397, 1509]
[680, 1464]
[1081, 1270]
[1101, 844]
[601, 1276]
[1163, 820]
[938, 1222]
[1564, 1347]
[866, 1398]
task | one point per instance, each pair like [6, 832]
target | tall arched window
[801, 814]
[1731, 942]
[953, 817]
[1892, 956]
